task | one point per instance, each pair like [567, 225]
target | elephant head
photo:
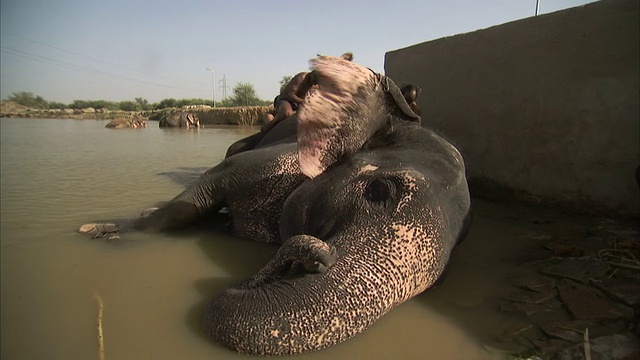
[374, 223]
[189, 120]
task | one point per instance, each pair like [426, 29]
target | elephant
[366, 204]
[130, 123]
[180, 119]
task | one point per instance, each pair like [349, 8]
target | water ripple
[61, 173]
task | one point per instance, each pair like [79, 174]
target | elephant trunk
[305, 299]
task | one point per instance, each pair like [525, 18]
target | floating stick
[100, 332]
[587, 346]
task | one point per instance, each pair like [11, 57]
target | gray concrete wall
[545, 107]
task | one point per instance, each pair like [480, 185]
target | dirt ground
[9, 107]
[539, 283]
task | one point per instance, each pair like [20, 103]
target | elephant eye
[381, 192]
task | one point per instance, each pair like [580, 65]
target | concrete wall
[546, 107]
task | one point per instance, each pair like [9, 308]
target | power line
[89, 57]
[213, 75]
[224, 86]
[63, 64]
[25, 55]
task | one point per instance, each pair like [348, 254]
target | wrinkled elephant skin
[367, 205]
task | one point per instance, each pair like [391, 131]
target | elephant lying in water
[367, 205]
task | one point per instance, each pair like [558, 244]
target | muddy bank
[532, 281]
[13, 110]
[245, 115]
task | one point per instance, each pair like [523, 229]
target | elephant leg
[204, 197]
[298, 253]
[242, 145]
[238, 182]
[263, 176]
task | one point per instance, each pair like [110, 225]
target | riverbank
[246, 115]
[10, 109]
[544, 283]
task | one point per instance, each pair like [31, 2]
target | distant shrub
[28, 99]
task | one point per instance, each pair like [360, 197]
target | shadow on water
[480, 274]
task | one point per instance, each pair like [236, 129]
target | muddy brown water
[59, 174]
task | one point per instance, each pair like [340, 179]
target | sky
[66, 50]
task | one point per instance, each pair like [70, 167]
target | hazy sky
[65, 50]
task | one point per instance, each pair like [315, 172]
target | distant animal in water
[411, 93]
[131, 123]
[180, 119]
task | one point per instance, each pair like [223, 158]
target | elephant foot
[110, 231]
[97, 230]
[298, 255]
[148, 211]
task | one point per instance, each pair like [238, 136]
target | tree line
[244, 94]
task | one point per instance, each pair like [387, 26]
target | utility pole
[537, 7]
[213, 77]
[224, 86]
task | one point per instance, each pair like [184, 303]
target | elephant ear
[340, 113]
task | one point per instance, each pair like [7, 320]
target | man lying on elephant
[285, 104]
[271, 114]
[366, 204]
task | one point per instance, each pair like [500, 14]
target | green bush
[28, 99]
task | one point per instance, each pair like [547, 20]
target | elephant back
[170, 119]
